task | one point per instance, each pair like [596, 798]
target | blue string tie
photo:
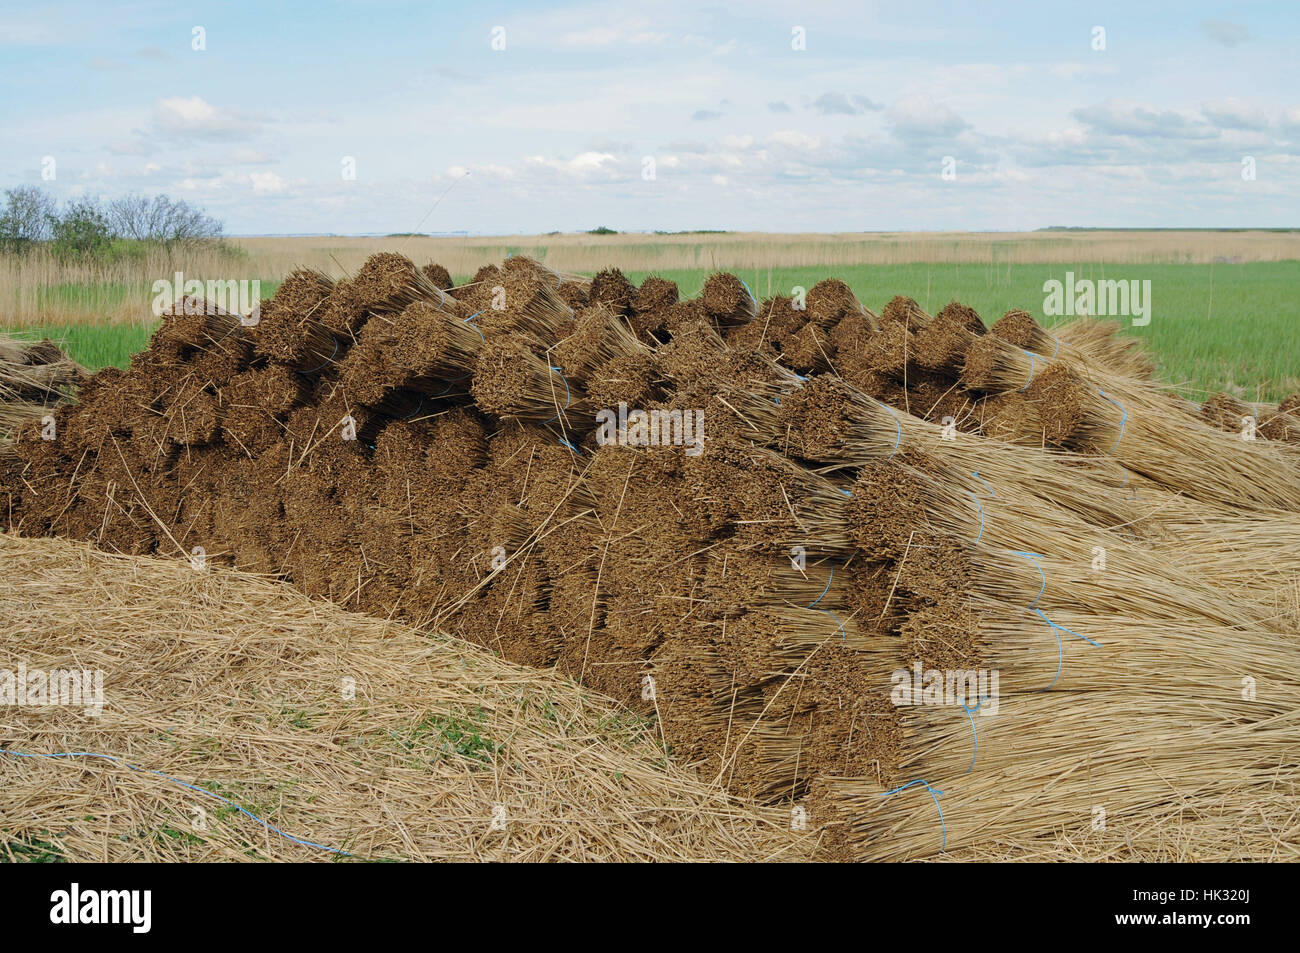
[329, 360]
[935, 794]
[1122, 421]
[191, 787]
[1033, 558]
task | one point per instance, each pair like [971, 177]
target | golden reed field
[38, 290]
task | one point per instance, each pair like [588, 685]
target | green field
[1213, 326]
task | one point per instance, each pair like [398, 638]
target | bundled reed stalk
[1263, 421]
[905, 312]
[389, 282]
[1021, 551]
[831, 423]
[556, 279]
[773, 503]
[1143, 430]
[426, 348]
[771, 699]
[1101, 341]
[512, 382]
[599, 336]
[727, 300]
[525, 305]
[1090, 344]
[1145, 770]
[291, 329]
[34, 376]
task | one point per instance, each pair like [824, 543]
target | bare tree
[162, 220]
[28, 217]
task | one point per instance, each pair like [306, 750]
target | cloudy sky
[499, 118]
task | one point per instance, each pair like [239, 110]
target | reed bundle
[425, 348]
[1146, 770]
[291, 327]
[1262, 421]
[1144, 430]
[389, 282]
[598, 337]
[512, 382]
[526, 305]
[831, 423]
[773, 503]
[727, 300]
[830, 301]
[1087, 342]
[611, 288]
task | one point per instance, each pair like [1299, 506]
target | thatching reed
[750, 590]
[338, 729]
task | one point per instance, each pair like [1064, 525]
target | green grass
[96, 346]
[451, 734]
[1213, 327]
[33, 851]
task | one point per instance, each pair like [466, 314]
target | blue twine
[1057, 349]
[1034, 557]
[455, 380]
[1031, 371]
[980, 535]
[571, 446]
[1060, 650]
[568, 396]
[752, 300]
[988, 486]
[824, 591]
[328, 360]
[1123, 420]
[192, 787]
[970, 713]
[898, 427]
[475, 326]
[934, 795]
[1056, 625]
[843, 635]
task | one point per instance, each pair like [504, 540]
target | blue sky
[554, 131]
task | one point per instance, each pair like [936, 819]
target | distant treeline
[86, 228]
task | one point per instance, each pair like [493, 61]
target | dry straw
[236, 685]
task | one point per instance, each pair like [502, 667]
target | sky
[522, 118]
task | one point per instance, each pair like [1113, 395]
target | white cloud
[266, 182]
[634, 33]
[794, 139]
[179, 116]
[582, 165]
[1233, 113]
[920, 117]
[1134, 119]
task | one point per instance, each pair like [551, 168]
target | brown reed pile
[741, 521]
